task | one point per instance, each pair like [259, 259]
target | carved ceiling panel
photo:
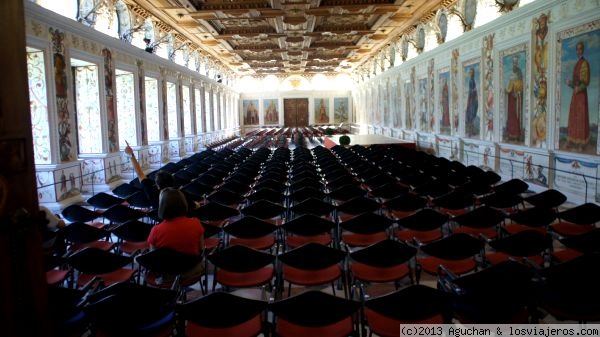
[255, 37]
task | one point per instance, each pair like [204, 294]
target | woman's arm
[136, 165]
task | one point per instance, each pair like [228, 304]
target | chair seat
[489, 233]
[399, 214]
[294, 241]
[261, 243]
[211, 243]
[423, 236]
[366, 273]
[311, 277]
[342, 328]
[363, 240]
[496, 257]
[129, 247]
[570, 229]
[517, 228]
[117, 276]
[388, 327]
[103, 245]
[245, 280]
[430, 265]
[250, 328]
[56, 276]
[565, 255]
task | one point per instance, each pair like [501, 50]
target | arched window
[152, 111]
[208, 110]
[87, 106]
[124, 21]
[199, 112]
[66, 8]
[106, 19]
[186, 109]
[126, 108]
[38, 104]
[172, 109]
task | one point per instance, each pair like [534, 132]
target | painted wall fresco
[471, 93]
[513, 100]
[321, 110]
[66, 137]
[250, 108]
[454, 69]
[68, 182]
[109, 91]
[539, 81]
[340, 109]
[271, 108]
[423, 110]
[431, 119]
[578, 56]
[444, 101]
[142, 103]
[488, 87]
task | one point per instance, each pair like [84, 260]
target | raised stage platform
[367, 140]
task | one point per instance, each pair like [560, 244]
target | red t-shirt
[181, 234]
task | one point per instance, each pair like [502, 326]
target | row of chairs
[509, 292]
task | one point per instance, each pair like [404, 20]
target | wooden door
[295, 112]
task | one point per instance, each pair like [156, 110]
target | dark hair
[164, 179]
[171, 204]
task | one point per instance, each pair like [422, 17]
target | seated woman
[177, 231]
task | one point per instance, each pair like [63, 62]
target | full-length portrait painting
[322, 110]
[471, 98]
[513, 98]
[250, 109]
[423, 105]
[444, 101]
[578, 55]
[271, 107]
[340, 106]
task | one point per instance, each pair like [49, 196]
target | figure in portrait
[423, 99]
[578, 131]
[322, 114]
[407, 105]
[578, 80]
[251, 116]
[271, 113]
[445, 104]
[472, 104]
[514, 102]
[341, 106]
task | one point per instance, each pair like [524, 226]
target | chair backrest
[314, 313]
[221, 314]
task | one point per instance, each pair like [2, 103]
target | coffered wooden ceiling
[284, 37]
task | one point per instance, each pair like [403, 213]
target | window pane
[187, 111]
[152, 112]
[38, 103]
[126, 108]
[199, 112]
[87, 105]
[208, 110]
[172, 109]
